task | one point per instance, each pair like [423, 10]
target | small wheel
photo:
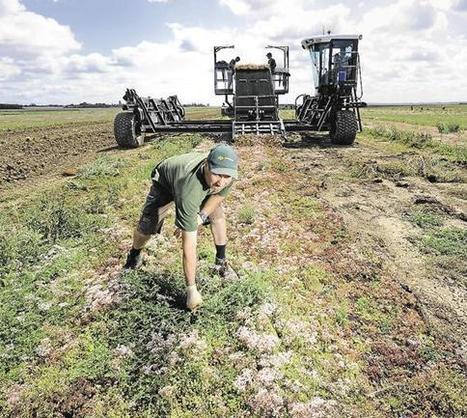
[127, 130]
[344, 128]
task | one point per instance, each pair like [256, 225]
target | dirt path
[375, 213]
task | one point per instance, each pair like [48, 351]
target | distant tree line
[196, 105]
[10, 106]
[89, 105]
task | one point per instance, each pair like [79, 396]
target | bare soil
[374, 212]
[31, 153]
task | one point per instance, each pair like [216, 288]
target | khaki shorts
[155, 210]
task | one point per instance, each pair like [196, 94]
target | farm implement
[252, 93]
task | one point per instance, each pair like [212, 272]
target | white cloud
[238, 7]
[8, 7]
[460, 5]
[8, 69]
[412, 50]
[24, 34]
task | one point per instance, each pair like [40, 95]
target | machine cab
[335, 61]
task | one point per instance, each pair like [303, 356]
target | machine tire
[127, 130]
[344, 128]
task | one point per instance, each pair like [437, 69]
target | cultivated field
[351, 300]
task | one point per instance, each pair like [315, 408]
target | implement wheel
[344, 128]
[127, 130]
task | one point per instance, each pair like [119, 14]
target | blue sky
[68, 51]
[102, 25]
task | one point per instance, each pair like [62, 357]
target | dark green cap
[222, 159]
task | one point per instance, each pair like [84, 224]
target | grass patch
[246, 215]
[418, 115]
[434, 168]
[50, 245]
[446, 128]
[26, 119]
[418, 140]
[390, 169]
[438, 391]
[174, 351]
[412, 139]
[103, 167]
[19, 246]
[57, 216]
[447, 242]
[425, 217]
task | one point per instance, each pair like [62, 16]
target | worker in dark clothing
[223, 67]
[271, 62]
[232, 62]
[230, 72]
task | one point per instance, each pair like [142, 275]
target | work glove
[193, 297]
[203, 219]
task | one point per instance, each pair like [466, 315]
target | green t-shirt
[182, 177]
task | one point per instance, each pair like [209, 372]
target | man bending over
[197, 184]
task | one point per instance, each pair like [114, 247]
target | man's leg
[134, 259]
[154, 211]
[219, 232]
[139, 239]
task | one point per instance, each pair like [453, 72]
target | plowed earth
[30, 153]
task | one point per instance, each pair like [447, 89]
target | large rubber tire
[344, 128]
[127, 130]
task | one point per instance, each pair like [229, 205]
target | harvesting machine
[252, 93]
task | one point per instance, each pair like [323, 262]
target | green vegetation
[448, 241]
[425, 217]
[246, 215]
[203, 113]
[422, 115]
[74, 328]
[446, 128]
[22, 119]
[446, 246]
[418, 140]
[49, 246]
[313, 326]
[102, 167]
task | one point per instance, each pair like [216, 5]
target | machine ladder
[275, 127]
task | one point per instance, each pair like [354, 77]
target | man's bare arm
[189, 242]
[211, 204]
